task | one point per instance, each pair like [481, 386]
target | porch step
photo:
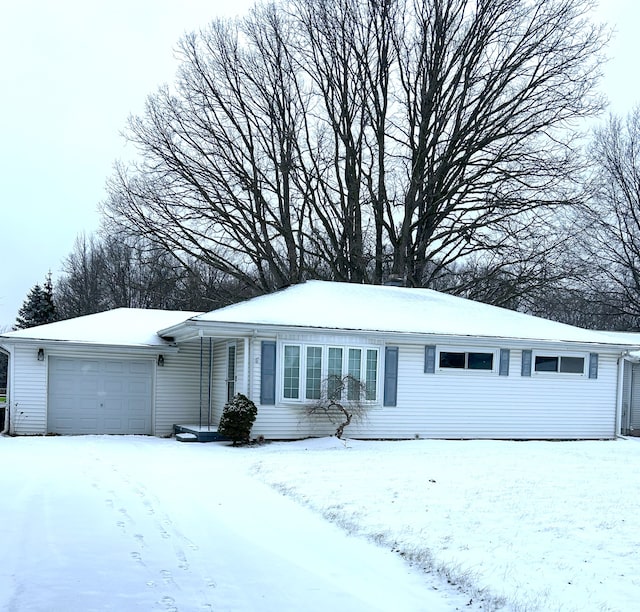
[186, 437]
[195, 433]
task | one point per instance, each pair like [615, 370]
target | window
[314, 372]
[309, 367]
[353, 370]
[231, 371]
[566, 364]
[466, 360]
[292, 372]
[371, 379]
[334, 372]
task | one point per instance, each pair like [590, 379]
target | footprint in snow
[137, 557]
[169, 603]
[183, 563]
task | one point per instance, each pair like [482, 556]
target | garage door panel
[99, 396]
[115, 367]
[136, 426]
[112, 387]
[135, 387]
[90, 385]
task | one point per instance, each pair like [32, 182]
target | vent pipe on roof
[395, 280]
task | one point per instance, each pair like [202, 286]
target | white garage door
[99, 396]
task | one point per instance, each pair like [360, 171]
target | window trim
[559, 355]
[325, 348]
[466, 349]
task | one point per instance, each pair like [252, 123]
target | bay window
[310, 370]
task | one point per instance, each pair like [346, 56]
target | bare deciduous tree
[104, 273]
[610, 244]
[352, 138]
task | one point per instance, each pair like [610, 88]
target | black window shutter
[430, 359]
[268, 372]
[526, 363]
[593, 365]
[505, 354]
[390, 375]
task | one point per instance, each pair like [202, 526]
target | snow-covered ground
[134, 523]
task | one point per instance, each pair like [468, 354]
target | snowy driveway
[129, 523]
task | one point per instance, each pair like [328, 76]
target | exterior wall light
[161, 360]
[40, 354]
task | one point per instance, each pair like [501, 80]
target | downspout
[619, 391]
[210, 369]
[201, 366]
[7, 411]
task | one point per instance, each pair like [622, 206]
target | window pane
[334, 373]
[572, 365]
[371, 375]
[546, 364]
[452, 360]
[353, 369]
[314, 372]
[231, 371]
[291, 372]
[231, 361]
[480, 361]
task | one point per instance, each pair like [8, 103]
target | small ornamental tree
[342, 400]
[238, 417]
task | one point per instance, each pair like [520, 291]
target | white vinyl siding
[489, 406]
[469, 404]
[177, 389]
[220, 373]
[28, 391]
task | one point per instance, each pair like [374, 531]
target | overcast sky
[74, 70]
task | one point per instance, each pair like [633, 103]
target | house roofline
[193, 329]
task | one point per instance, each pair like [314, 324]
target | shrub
[237, 419]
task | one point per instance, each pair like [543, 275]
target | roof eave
[76, 344]
[224, 328]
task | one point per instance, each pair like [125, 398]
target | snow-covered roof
[118, 327]
[323, 305]
[346, 306]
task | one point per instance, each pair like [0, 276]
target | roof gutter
[192, 329]
[73, 344]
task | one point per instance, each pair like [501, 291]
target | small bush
[238, 417]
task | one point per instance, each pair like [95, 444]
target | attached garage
[100, 396]
[104, 373]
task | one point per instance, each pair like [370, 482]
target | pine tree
[39, 307]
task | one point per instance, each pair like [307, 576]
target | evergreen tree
[39, 307]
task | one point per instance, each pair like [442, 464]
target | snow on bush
[237, 419]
